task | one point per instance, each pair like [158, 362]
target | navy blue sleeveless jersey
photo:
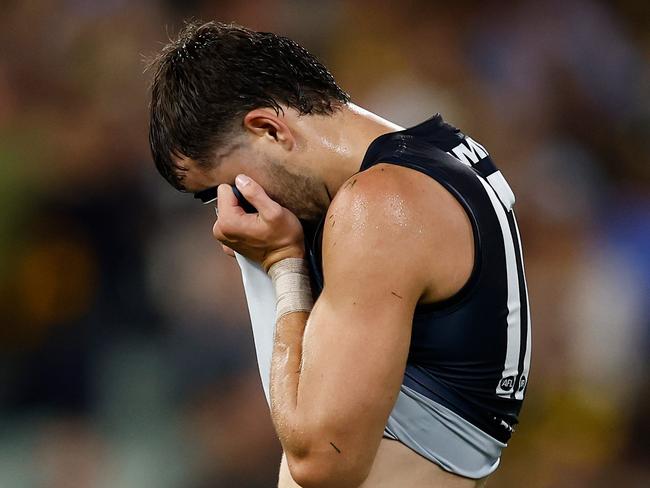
[470, 353]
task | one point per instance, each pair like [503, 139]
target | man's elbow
[327, 471]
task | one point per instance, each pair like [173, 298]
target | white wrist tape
[292, 287]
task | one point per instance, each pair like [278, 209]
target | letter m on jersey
[471, 153]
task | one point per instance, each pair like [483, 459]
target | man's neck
[344, 140]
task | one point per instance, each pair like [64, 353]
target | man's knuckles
[233, 229]
[273, 213]
[228, 231]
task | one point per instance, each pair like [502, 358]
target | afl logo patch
[507, 383]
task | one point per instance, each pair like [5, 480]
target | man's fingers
[255, 194]
[227, 203]
[232, 220]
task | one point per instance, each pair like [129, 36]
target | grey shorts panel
[442, 436]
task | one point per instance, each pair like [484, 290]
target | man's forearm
[294, 302]
[285, 378]
[300, 424]
[311, 464]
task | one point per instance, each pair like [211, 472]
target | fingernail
[242, 180]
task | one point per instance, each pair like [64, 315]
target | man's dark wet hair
[214, 73]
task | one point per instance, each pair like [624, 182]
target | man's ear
[264, 122]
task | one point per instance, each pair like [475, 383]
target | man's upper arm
[357, 337]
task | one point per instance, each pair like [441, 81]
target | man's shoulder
[399, 217]
[389, 193]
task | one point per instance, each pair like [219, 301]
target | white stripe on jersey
[506, 385]
[503, 190]
[519, 395]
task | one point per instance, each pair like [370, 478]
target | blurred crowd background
[126, 357]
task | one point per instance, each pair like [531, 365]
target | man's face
[294, 186]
